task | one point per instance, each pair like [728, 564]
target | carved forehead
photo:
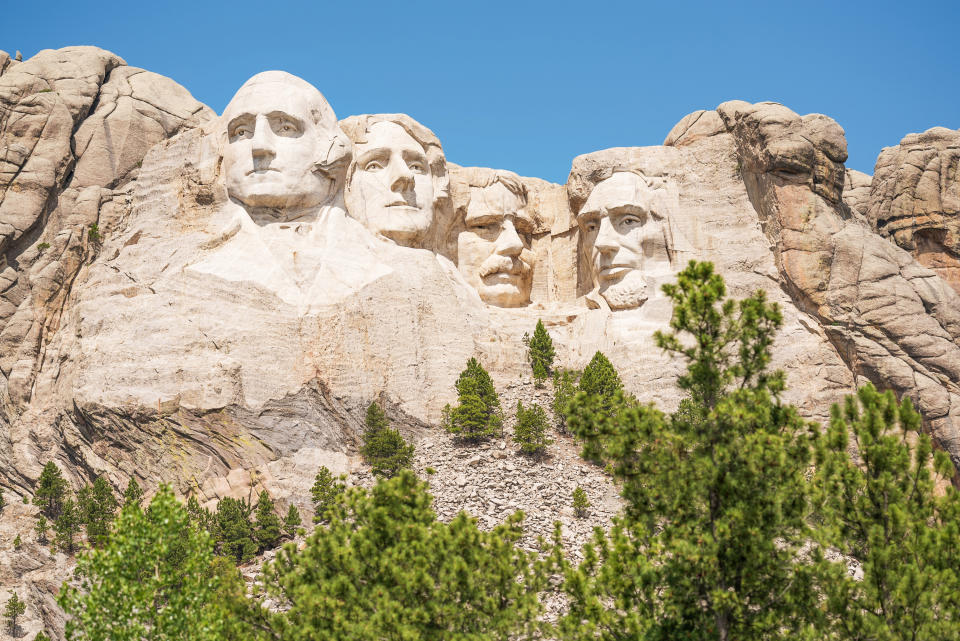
[389, 135]
[495, 199]
[619, 190]
[280, 91]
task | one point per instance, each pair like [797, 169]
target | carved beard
[629, 292]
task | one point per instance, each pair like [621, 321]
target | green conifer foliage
[477, 415]
[14, 609]
[327, 492]
[580, 502]
[384, 449]
[41, 636]
[3, 503]
[97, 506]
[886, 512]
[540, 354]
[151, 580]
[599, 378]
[17, 542]
[200, 517]
[717, 499]
[133, 493]
[41, 528]
[421, 578]
[67, 526]
[267, 526]
[531, 429]
[50, 491]
[234, 531]
[292, 522]
[564, 389]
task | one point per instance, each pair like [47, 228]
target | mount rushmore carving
[209, 299]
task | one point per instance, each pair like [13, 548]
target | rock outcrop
[213, 301]
[915, 199]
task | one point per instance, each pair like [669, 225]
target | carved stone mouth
[261, 171]
[612, 272]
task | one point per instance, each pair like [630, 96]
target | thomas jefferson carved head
[493, 249]
[283, 154]
[625, 228]
[397, 177]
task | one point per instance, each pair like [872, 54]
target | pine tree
[133, 493]
[384, 449]
[375, 419]
[41, 636]
[97, 506]
[17, 542]
[3, 503]
[421, 578]
[291, 524]
[41, 529]
[600, 379]
[564, 389]
[67, 526]
[540, 353]
[531, 430]
[14, 610]
[885, 511]
[50, 491]
[326, 493]
[477, 415]
[580, 502]
[267, 526]
[200, 517]
[717, 502]
[153, 579]
[233, 529]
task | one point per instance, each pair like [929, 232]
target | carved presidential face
[391, 187]
[273, 147]
[493, 252]
[627, 237]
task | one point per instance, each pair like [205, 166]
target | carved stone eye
[416, 166]
[373, 165]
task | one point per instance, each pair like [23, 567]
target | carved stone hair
[357, 127]
[506, 178]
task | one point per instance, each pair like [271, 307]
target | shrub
[41, 529]
[291, 524]
[50, 490]
[540, 353]
[93, 233]
[66, 526]
[96, 506]
[580, 502]
[233, 529]
[13, 610]
[477, 415]
[564, 389]
[267, 526]
[326, 493]
[531, 429]
[384, 449]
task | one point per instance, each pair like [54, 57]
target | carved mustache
[503, 264]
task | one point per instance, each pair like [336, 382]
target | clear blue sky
[527, 86]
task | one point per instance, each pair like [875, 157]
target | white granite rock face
[213, 301]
